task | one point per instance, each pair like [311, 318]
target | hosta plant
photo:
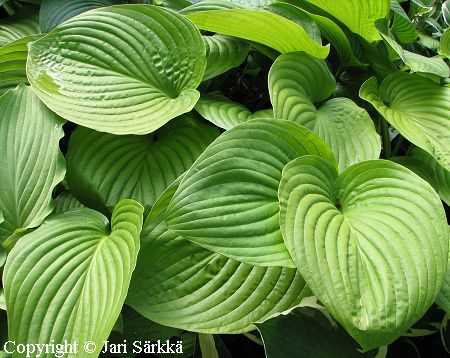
[224, 178]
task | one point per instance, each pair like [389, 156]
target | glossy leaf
[227, 201]
[259, 26]
[31, 164]
[68, 279]
[372, 243]
[417, 107]
[104, 168]
[126, 69]
[180, 284]
[297, 82]
[223, 53]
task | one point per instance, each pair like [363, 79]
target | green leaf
[55, 12]
[263, 114]
[65, 202]
[417, 107]
[402, 27]
[223, 53]
[418, 63]
[125, 69]
[358, 15]
[221, 111]
[253, 4]
[372, 243]
[297, 84]
[17, 27]
[424, 165]
[31, 164]
[443, 299]
[308, 331]
[444, 45]
[183, 285]
[103, 168]
[68, 279]
[227, 202]
[206, 5]
[13, 59]
[208, 346]
[259, 26]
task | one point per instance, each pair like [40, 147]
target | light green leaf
[444, 45]
[297, 82]
[182, 285]
[358, 15]
[443, 299]
[254, 4]
[402, 27]
[263, 114]
[418, 63]
[417, 107]
[221, 111]
[424, 165]
[208, 346]
[31, 164]
[54, 12]
[206, 5]
[65, 202]
[259, 26]
[13, 59]
[68, 279]
[372, 243]
[308, 331]
[16, 27]
[223, 53]
[103, 168]
[125, 69]
[227, 201]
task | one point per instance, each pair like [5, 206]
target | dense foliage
[247, 177]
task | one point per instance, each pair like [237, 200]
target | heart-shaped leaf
[227, 202]
[372, 243]
[259, 26]
[423, 164]
[125, 69]
[297, 82]
[54, 12]
[358, 15]
[68, 279]
[31, 164]
[223, 53]
[103, 168]
[417, 107]
[13, 59]
[180, 284]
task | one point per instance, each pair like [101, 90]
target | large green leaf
[259, 26]
[125, 69]
[103, 168]
[54, 12]
[417, 107]
[443, 299]
[180, 284]
[372, 243]
[221, 111]
[297, 82]
[444, 45]
[423, 164]
[418, 63]
[14, 28]
[227, 202]
[65, 202]
[223, 53]
[358, 15]
[13, 59]
[402, 27]
[31, 164]
[68, 279]
[305, 333]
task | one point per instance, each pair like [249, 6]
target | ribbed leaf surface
[180, 284]
[417, 107]
[68, 279]
[125, 69]
[444, 45]
[227, 202]
[31, 164]
[372, 243]
[14, 28]
[65, 202]
[104, 168]
[297, 82]
[402, 26]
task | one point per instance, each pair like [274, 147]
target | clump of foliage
[274, 170]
